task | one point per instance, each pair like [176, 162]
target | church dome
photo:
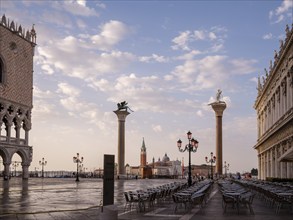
[166, 158]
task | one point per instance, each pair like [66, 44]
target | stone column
[6, 173]
[25, 172]
[121, 140]
[219, 107]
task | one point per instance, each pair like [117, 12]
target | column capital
[219, 107]
[121, 114]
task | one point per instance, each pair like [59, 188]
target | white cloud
[48, 69]
[157, 128]
[190, 55]
[75, 7]
[199, 35]
[67, 89]
[67, 55]
[282, 12]
[38, 93]
[102, 85]
[243, 66]
[71, 104]
[153, 58]
[81, 2]
[111, 34]
[211, 71]
[42, 109]
[268, 36]
[199, 113]
[181, 42]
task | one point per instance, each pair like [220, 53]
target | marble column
[121, 140]
[219, 107]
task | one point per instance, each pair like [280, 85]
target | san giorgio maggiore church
[164, 168]
[161, 168]
[274, 106]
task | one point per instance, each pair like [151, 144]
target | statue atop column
[219, 95]
[122, 106]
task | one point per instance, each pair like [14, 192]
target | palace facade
[274, 106]
[16, 93]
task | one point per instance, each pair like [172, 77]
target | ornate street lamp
[43, 163]
[226, 166]
[190, 147]
[77, 160]
[211, 160]
[15, 164]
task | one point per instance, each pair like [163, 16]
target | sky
[167, 59]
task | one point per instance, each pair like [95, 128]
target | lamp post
[43, 163]
[190, 147]
[226, 166]
[77, 160]
[211, 160]
[15, 164]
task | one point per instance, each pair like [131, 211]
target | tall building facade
[16, 93]
[274, 106]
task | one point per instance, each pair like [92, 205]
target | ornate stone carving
[278, 94]
[284, 86]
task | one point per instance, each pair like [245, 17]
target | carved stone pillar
[6, 172]
[219, 108]
[17, 133]
[25, 172]
[8, 131]
[121, 140]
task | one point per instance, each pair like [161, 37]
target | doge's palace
[16, 93]
[274, 106]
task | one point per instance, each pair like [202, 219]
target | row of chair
[235, 195]
[275, 195]
[192, 196]
[146, 199]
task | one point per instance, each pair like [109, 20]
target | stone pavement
[70, 207]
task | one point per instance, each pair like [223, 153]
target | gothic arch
[4, 154]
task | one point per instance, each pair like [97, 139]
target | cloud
[243, 66]
[199, 113]
[75, 7]
[211, 71]
[38, 93]
[157, 128]
[181, 41]
[43, 109]
[268, 36]
[186, 40]
[111, 34]
[69, 90]
[153, 58]
[47, 69]
[67, 56]
[282, 12]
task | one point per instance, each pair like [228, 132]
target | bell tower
[143, 154]
[16, 93]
